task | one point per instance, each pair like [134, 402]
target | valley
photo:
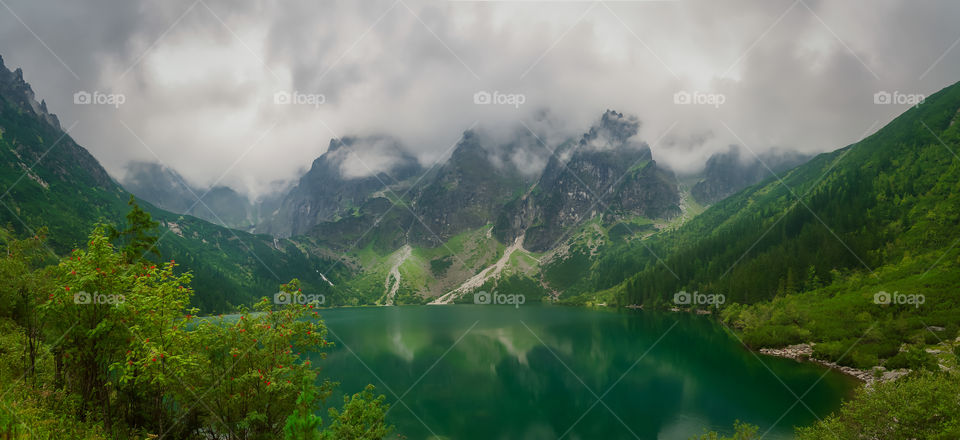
[424, 259]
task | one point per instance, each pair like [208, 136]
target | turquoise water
[536, 372]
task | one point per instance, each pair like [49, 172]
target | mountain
[167, 189]
[51, 181]
[339, 181]
[853, 252]
[856, 208]
[485, 183]
[366, 224]
[726, 173]
[605, 171]
[473, 187]
[495, 209]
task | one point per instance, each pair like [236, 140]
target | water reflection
[536, 372]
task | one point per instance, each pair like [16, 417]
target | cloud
[370, 156]
[200, 77]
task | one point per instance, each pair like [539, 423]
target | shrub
[915, 359]
[921, 405]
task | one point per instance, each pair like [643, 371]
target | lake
[548, 372]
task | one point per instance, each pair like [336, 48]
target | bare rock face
[604, 172]
[339, 182]
[12, 86]
[71, 163]
[470, 190]
[519, 185]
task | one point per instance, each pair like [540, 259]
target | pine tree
[136, 239]
[303, 424]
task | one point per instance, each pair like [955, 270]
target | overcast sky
[199, 77]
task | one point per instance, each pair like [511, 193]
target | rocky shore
[804, 353]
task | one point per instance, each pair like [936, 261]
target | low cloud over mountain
[200, 80]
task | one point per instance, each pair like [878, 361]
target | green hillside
[807, 252]
[48, 180]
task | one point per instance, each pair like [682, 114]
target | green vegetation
[853, 252]
[104, 344]
[439, 266]
[741, 431]
[801, 260]
[891, 196]
[50, 181]
[849, 327]
[922, 405]
[516, 284]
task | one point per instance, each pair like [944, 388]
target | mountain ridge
[52, 181]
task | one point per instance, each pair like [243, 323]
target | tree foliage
[104, 344]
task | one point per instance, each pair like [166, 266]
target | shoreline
[804, 353]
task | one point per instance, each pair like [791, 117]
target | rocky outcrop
[69, 162]
[13, 87]
[604, 172]
[340, 181]
[470, 190]
[804, 353]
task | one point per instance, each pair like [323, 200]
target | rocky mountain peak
[614, 130]
[15, 88]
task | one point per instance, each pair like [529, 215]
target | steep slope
[853, 254]
[604, 171]
[854, 209]
[339, 182]
[488, 197]
[49, 180]
[488, 190]
[468, 191]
